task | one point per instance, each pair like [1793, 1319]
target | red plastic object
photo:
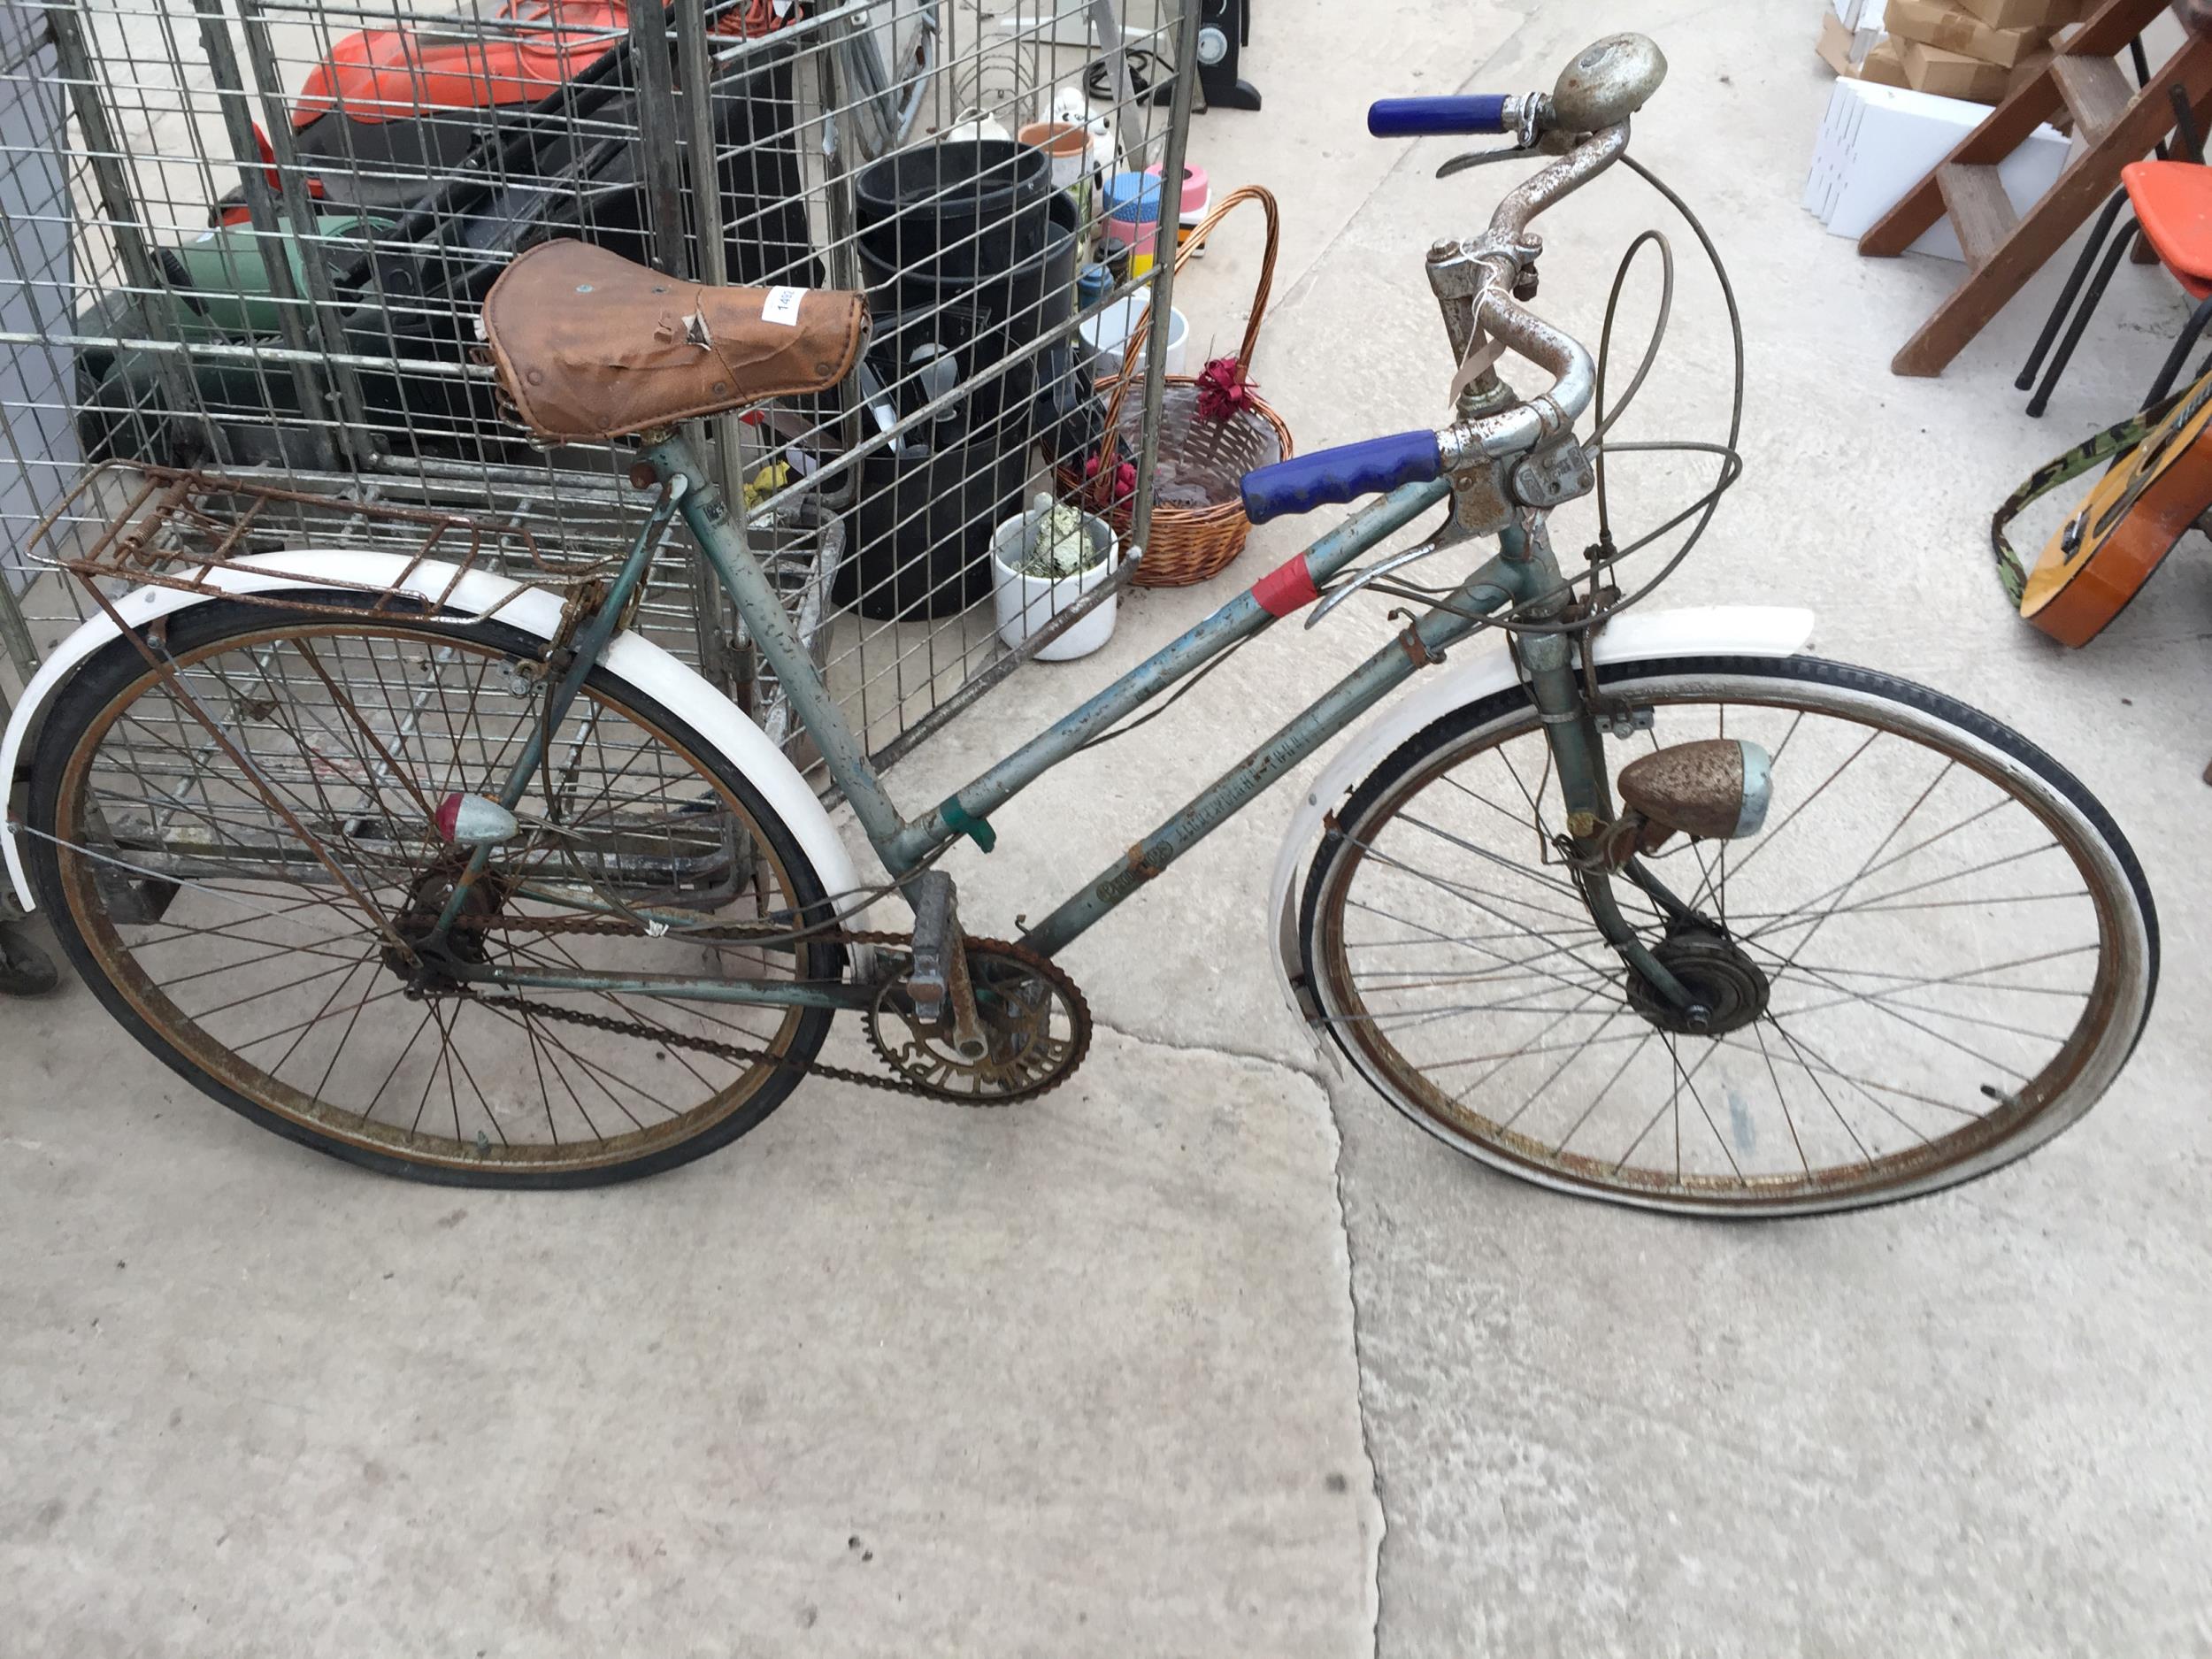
[2173, 202]
[389, 75]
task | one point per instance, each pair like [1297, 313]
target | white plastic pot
[1067, 144]
[1026, 603]
[1107, 332]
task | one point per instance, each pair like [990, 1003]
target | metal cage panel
[251, 236]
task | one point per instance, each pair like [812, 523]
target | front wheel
[1936, 955]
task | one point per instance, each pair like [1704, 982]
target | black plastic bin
[1052, 392]
[974, 206]
[922, 547]
[1022, 302]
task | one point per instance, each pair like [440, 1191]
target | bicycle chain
[738, 1053]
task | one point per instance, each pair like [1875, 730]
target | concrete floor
[1212, 1353]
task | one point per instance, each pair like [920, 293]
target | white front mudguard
[635, 661]
[1481, 671]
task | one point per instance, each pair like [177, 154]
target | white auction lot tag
[782, 306]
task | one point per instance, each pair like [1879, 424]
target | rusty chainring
[1025, 1060]
[1035, 1024]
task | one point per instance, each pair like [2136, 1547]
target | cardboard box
[2023, 14]
[1883, 65]
[1951, 74]
[1834, 45]
[1934, 23]
[1841, 49]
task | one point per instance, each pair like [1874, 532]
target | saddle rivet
[721, 389]
[534, 376]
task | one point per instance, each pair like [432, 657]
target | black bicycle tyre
[111, 672]
[1415, 752]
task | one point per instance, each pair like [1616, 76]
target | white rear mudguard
[1481, 671]
[635, 661]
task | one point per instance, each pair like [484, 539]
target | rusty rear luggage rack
[175, 529]
[164, 527]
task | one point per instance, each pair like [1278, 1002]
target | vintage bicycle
[463, 880]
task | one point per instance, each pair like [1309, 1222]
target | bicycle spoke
[352, 736]
[1915, 966]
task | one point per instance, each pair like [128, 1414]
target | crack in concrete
[1321, 1080]
[1359, 1367]
[1312, 1074]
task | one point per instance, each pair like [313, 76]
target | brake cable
[1703, 508]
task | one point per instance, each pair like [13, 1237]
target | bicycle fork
[1577, 752]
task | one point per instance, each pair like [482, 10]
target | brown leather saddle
[589, 345]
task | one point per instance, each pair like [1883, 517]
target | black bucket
[958, 210]
[1022, 302]
[1053, 390]
[901, 343]
[922, 542]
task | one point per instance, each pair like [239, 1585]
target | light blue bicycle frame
[1524, 572]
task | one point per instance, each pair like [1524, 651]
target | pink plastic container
[1198, 197]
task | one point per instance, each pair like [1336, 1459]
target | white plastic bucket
[1026, 603]
[1107, 332]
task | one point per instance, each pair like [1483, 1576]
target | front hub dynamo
[1036, 1029]
[1726, 985]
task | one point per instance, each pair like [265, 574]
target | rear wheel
[243, 903]
[1936, 955]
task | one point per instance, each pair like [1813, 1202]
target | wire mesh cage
[248, 239]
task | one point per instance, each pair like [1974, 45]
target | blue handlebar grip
[1417, 118]
[1342, 474]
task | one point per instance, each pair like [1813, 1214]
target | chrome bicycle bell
[1607, 83]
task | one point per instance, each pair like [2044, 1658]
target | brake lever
[1450, 535]
[1478, 159]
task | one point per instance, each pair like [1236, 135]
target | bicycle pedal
[936, 934]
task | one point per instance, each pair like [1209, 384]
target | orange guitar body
[2103, 554]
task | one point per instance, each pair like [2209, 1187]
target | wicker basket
[1190, 543]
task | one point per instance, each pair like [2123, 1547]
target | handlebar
[1595, 96]
[1342, 474]
[1419, 117]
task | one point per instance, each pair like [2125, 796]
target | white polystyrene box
[1878, 142]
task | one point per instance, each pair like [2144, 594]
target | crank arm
[968, 1039]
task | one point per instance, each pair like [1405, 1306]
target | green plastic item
[219, 283]
[216, 290]
[228, 278]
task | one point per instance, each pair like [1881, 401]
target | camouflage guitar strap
[2113, 441]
